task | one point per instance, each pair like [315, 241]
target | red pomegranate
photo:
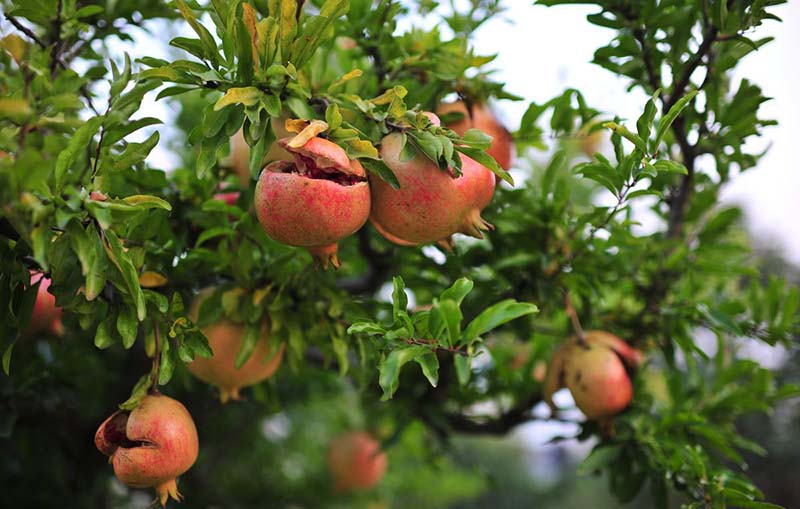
[151, 445]
[46, 315]
[356, 461]
[482, 118]
[431, 204]
[229, 197]
[594, 371]
[315, 201]
[225, 338]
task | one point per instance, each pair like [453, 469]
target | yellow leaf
[295, 125]
[15, 109]
[355, 73]
[150, 279]
[249, 15]
[238, 95]
[313, 129]
[15, 46]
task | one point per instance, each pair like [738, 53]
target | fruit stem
[573, 316]
[156, 360]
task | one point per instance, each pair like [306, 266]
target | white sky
[544, 50]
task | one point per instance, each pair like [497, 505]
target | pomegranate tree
[431, 204]
[314, 201]
[594, 369]
[151, 445]
[356, 461]
[225, 339]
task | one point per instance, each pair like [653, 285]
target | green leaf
[340, 349]
[457, 291]
[645, 123]
[430, 367]
[102, 337]
[389, 369]
[87, 246]
[380, 169]
[463, 366]
[122, 260]
[76, 146]
[7, 358]
[252, 334]
[139, 391]
[600, 457]
[169, 359]
[127, 326]
[668, 166]
[667, 120]
[144, 201]
[448, 313]
[399, 297]
[497, 315]
[209, 45]
[625, 133]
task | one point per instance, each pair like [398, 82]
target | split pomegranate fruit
[225, 339]
[482, 118]
[431, 204]
[356, 461]
[314, 201]
[594, 370]
[151, 445]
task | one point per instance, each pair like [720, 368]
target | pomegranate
[594, 371]
[315, 201]
[230, 197]
[46, 315]
[240, 151]
[150, 445]
[431, 204]
[225, 339]
[482, 118]
[356, 461]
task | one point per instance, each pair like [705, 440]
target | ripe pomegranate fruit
[230, 197]
[46, 315]
[225, 338]
[594, 371]
[151, 445]
[315, 201]
[431, 204]
[356, 461]
[240, 151]
[482, 118]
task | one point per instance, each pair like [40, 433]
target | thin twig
[156, 359]
[25, 30]
[435, 346]
[573, 316]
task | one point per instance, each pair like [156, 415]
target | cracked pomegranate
[315, 201]
[151, 445]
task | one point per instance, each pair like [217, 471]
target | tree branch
[501, 425]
